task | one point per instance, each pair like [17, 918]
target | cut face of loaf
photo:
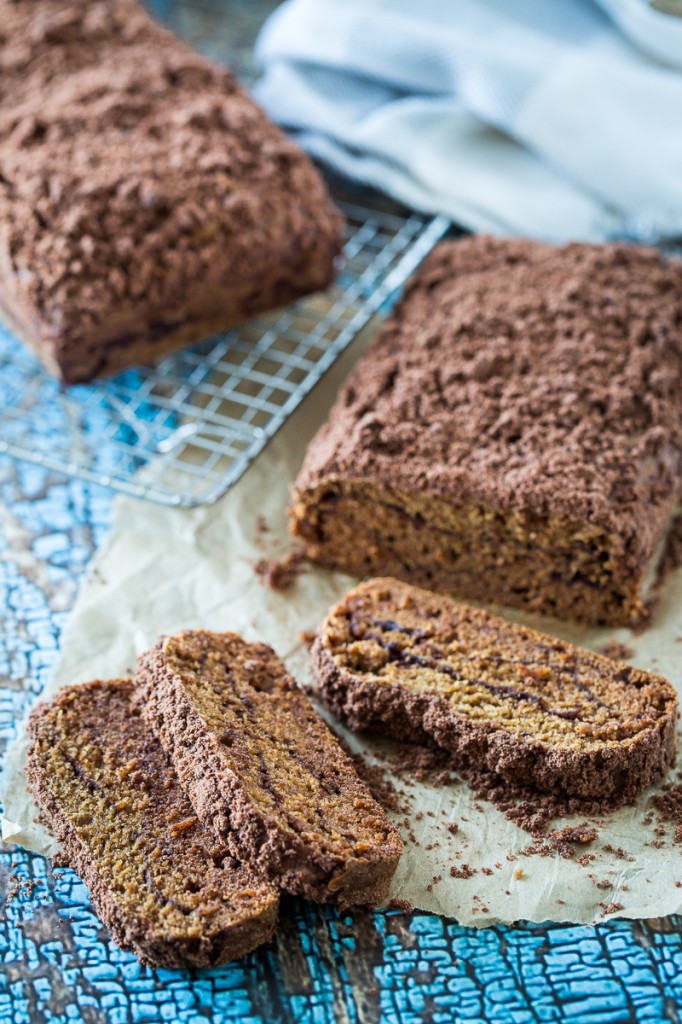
[547, 566]
[513, 434]
[167, 889]
[532, 709]
[263, 770]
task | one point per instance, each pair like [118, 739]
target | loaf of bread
[168, 890]
[513, 434]
[263, 770]
[532, 709]
[145, 200]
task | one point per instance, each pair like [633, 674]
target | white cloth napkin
[556, 120]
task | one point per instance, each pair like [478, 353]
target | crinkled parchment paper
[163, 570]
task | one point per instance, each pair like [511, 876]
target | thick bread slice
[263, 770]
[158, 879]
[533, 709]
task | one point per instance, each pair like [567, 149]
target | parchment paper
[163, 570]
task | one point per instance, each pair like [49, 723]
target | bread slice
[263, 770]
[158, 879]
[533, 709]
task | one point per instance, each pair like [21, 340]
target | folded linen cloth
[557, 121]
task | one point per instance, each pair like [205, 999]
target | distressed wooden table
[58, 963]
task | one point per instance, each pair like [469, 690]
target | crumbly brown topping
[132, 168]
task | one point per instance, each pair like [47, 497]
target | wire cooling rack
[185, 430]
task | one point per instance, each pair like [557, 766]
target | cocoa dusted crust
[532, 709]
[145, 200]
[263, 770]
[514, 432]
[158, 879]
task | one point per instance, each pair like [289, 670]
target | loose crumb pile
[424, 764]
[618, 852]
[378, 783]
[462, 871]
[402, 905]
[20, 888]
[527, 807]
[281, 573]
[563, 839]
[668, 804]
[530, 808]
